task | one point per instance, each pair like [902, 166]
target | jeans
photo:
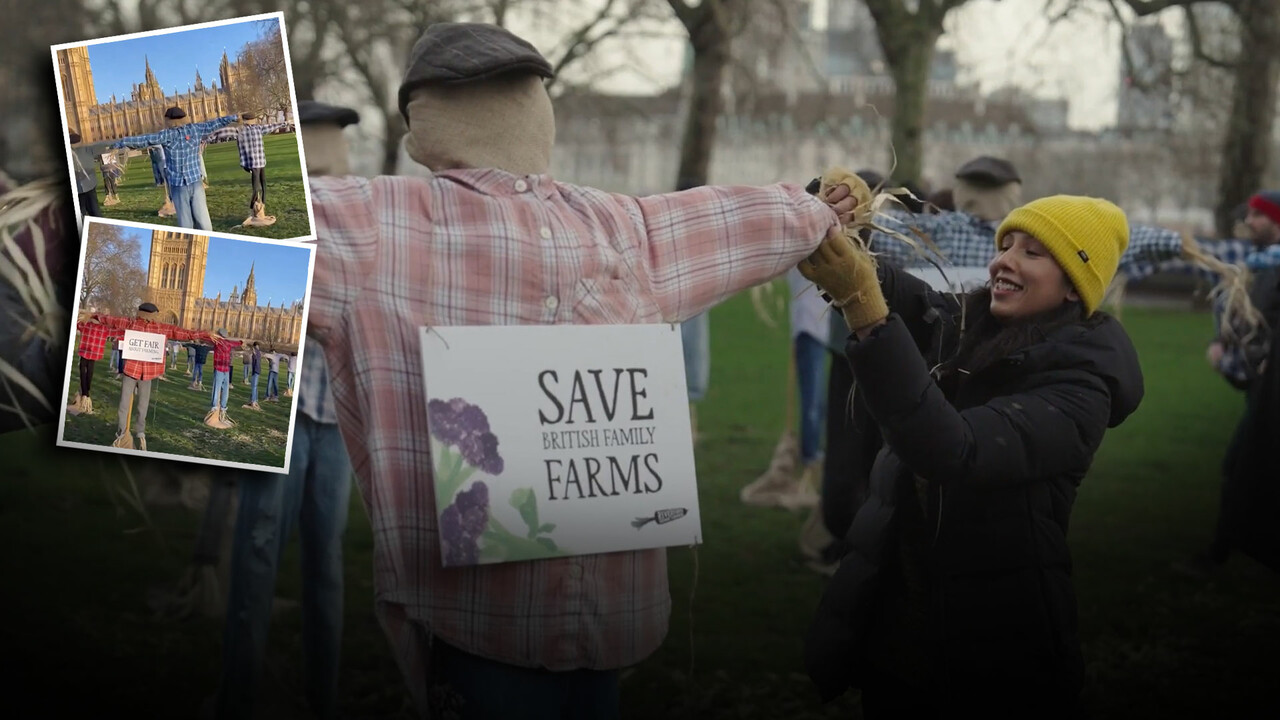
[491, 689]
[115, 362]
[273, 390]
[314, 496]
[221, 386]
[696, 334]
[197, 374]
[811, 371]
[253, 399]
[193, 210]
[290, 378]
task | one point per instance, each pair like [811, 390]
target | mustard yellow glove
[843, 269]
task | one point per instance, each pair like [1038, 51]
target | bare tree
[908, 30]
[265, 89]
[113, 276]
[712, 26]
[1255, 70]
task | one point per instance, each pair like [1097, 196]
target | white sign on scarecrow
[144, 346]
[551, 441]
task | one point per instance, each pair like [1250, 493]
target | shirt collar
[491, 181]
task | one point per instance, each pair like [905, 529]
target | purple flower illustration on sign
[463, 444]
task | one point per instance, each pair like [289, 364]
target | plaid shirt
[222, 353]
[1232, 252]
[181, 147]
[484, 247]
[966, 241]
[315, 395]
[138, 369]
[93, 339]
[249, 140]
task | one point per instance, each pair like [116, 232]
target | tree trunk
[710, 43]
[910, 70]
[1246, 149]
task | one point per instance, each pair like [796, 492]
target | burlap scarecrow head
[322, 140]
[988, 188]
[473, 97]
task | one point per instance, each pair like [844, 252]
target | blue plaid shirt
[181, 147]
[249, 140]
[315, 396]
[967, 241]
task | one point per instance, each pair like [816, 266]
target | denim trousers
[314, 497]
[811, 375]
[481, 689]
[191, 206]
[221, 388]
[273, 390]
[254, 392]
[197, 373]
[696, 336]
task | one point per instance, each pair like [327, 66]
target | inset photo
[192, 127]
[186, 346]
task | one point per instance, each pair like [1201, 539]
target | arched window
[182, 276]
[164, 276]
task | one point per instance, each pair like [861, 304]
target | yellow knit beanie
[1086, 236]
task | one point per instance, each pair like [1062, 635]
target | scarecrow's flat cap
[456, 53]
[175, 113]
[312, 112]
[990, 171]
[148, 307]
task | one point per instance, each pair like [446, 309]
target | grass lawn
[228, 192]
[175, 416]
[1158, 645]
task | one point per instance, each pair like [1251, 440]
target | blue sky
[174, 58]
[280, 272]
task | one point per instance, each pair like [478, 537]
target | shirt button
[546, 233]
[552, 303]
[521, 186]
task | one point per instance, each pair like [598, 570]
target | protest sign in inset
[559, 440]
[144, 346]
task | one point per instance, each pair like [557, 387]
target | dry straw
[1241, 321]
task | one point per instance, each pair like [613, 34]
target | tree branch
[1143, 8]
[1197, 44]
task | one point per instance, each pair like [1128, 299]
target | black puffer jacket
[995, 463]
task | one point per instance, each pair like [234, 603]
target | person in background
[314, 497]
[255, 365]
[197, 353]
[86, 176]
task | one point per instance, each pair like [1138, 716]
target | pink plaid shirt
[484, 247]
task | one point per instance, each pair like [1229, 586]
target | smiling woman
[957, 588]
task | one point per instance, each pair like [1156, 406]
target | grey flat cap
[312, 111]
[455, 53]
[990, 171]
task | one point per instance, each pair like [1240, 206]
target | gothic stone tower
[77, 88]
[175, 274]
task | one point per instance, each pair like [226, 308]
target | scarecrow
[253, 158]
[480, 118]
[138, 374]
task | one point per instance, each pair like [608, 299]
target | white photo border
[72, 347]
[293, 97]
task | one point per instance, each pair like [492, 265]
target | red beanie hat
[1267, 202]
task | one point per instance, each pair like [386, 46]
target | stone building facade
[143, 111]
[175, 283]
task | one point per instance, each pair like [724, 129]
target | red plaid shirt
[222, 354]
[483, 247]
[93, 339]
[138, 369]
